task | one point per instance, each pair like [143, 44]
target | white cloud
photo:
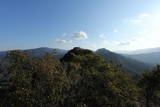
[70, 38]
[65, 35]
[102, 36]
[79, 35]
[143, 15]
[136, 20]
[144, 32]
[92, 47]
[123, 43]
[144, 39]
[115, 30]
[147, 37]
[63, 41]
[139, 19]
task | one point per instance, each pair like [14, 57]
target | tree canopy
[79, 79]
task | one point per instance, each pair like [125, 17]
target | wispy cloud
[92, 46]
[102, 36]
[79, 35]
[144, 32]
[148, 35]
[143, 39]
[115, 30]
[139, 19]
[69, 38]
[123, 43]
[65, 35]
[63, 41]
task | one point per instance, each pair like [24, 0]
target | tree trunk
[147, 98]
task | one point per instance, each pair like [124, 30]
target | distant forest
[79, 79]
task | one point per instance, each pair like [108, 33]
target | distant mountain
[141, 51]
[150, 58]
[131, 65]
[3, 54]
[38, 52]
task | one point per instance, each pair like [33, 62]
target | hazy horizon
[136, 51]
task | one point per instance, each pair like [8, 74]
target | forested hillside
[128, 64]
[79, 79]
[133, 66]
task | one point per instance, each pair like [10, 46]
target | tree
[35, 82]
[96, 83]
[150, 86]
[81, 79]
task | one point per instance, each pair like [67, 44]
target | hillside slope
[38, 52]
[131, 65]
[150, 58]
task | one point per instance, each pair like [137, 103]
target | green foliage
[81, 79]
[95, 83]
[34, 82]
[150, 86]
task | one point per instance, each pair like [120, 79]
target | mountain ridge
[150, 58]
[131, 65]
[140, 51]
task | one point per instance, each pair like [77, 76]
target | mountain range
[140, 51]
[131, 65]
[150, 56]
[134, 63]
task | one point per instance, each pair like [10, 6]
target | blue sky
[93, 24]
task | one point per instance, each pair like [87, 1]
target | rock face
[75, 51]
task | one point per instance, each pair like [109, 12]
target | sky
[93, 24]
